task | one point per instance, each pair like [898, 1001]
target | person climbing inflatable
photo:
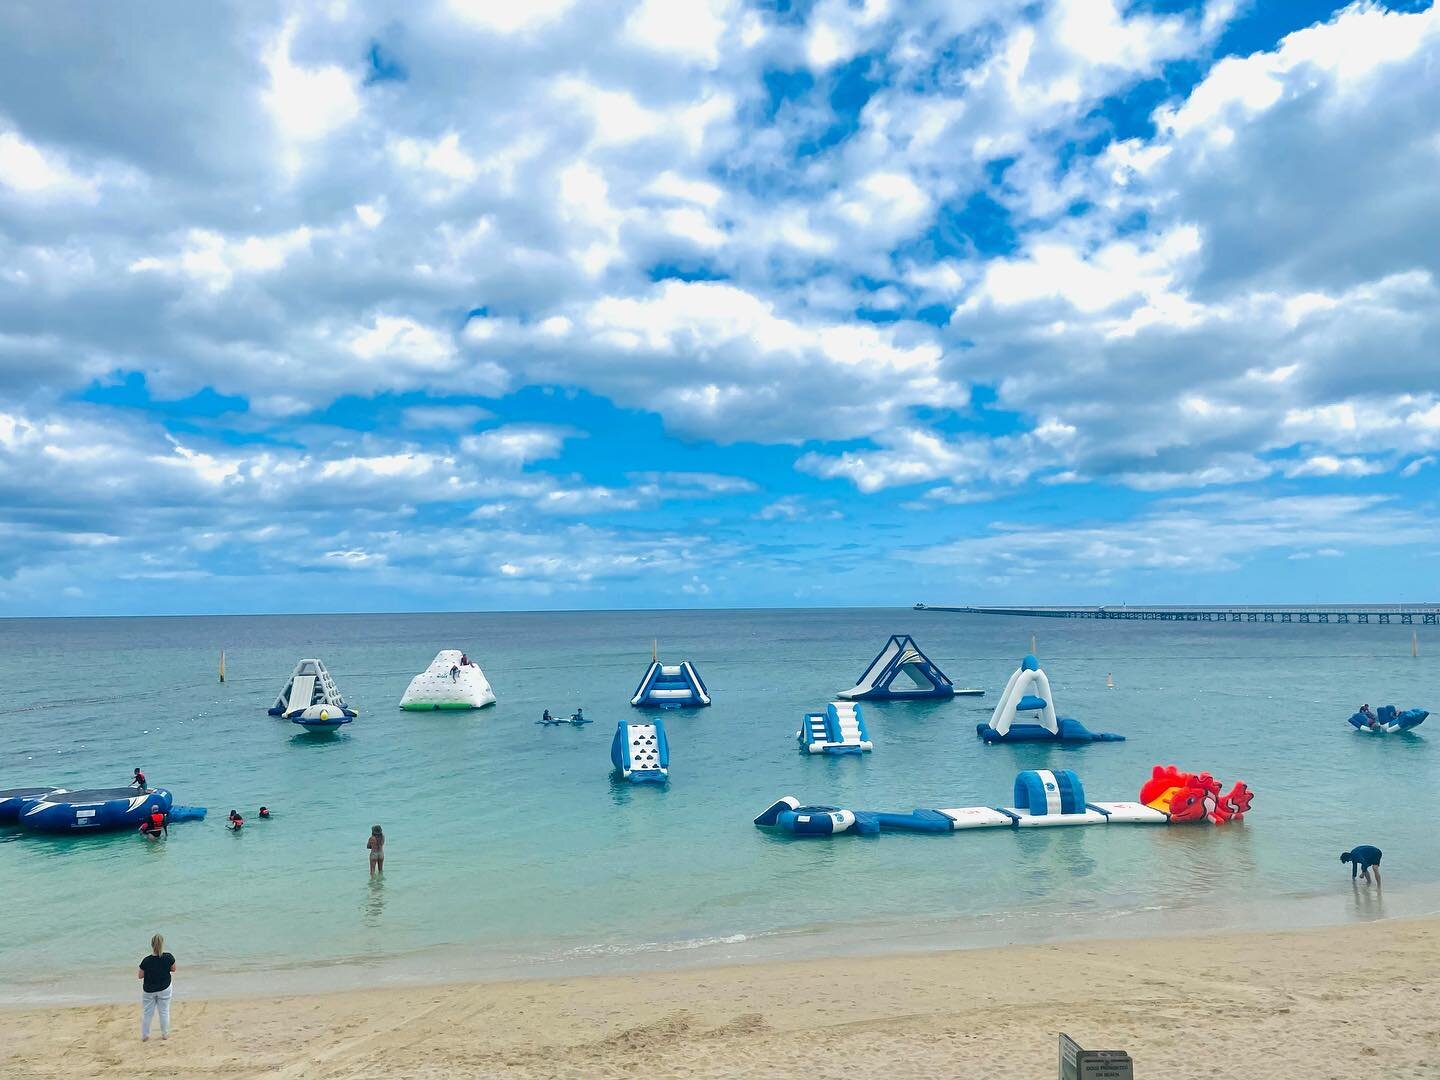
[1194, 797]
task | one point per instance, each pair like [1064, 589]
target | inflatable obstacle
[311, 698]
[901, 656]
[1387, 720]
[840, 729]
[671, 686]
[448, 683]
[1042, 799]
[95, 810]
[1026, 713]
[1194, 796]
[640, 752]
[14, 800]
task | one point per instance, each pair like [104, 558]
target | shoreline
[1320, 1001]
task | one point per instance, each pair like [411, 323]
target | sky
[463, 305]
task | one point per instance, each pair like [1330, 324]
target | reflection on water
[1369, 900]
[375, 901]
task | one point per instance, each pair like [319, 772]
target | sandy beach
[1360, 1000]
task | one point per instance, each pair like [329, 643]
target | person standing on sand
[156, 970]
[1363, 860]
[376, 846]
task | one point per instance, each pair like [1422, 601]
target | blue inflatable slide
[901, 656]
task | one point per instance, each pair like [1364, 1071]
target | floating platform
[1043, 799]
[448, 684]
[94, 810]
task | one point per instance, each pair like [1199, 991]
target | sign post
[1077, 1063]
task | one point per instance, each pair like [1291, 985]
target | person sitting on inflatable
[1191, 797]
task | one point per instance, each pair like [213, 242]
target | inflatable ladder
[840, 729]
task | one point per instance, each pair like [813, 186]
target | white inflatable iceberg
[452, 681]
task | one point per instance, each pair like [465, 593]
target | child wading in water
[376, 844]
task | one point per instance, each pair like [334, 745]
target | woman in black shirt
[156, 970]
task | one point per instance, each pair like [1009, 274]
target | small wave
[637, 948]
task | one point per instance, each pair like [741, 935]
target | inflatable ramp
[448, 683]
[1026, 713]
[640, 752]
[667, 686]
[1043, 799]
[901, 656]
[307, 692]
[840, 729]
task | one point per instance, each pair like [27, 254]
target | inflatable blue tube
[187, 813]
[1388, 720]
[1071, 731]
[97, 810]
[13, 801]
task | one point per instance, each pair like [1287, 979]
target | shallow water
[511, 851]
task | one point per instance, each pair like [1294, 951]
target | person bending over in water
[376, 847]
[1364, 860]
[157, 824]
[139, 781]
[236, 822]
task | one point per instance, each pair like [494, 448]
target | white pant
[151, 1002]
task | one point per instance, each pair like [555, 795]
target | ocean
[511, 852]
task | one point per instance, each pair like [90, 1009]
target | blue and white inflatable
[1387, 720]
[311, 698]
[640, 752]
[671, 686]
[1043, 798]
[840, 729]
[13, 801]
[96, 810]
[901, 656]
[1027, 694]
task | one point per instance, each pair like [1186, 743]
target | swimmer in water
[264, 811]
[236, 822]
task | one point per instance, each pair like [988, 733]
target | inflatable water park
[311, 699]
[922, 678]
[840, 729]
[94, 810]
[640, 752]
[1042, 798]
[671, 686]
[1387, 720]
[1026, 713]
[452, 681]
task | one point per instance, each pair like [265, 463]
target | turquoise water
[510, 851]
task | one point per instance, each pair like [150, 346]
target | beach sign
[1077, 1063]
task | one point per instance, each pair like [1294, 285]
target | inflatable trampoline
[96, 810]
[14, 800]
[1387, 720]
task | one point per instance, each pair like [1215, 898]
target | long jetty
[1404, 614]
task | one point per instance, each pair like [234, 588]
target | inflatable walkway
[840, 729]
[448, 683]
[1028, 694]
[1387, 720]
[666, 686]
[901, 656]
[311, 698]
[1043, 799]
[640, 752]
[96, 810]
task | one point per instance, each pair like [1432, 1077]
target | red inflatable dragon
[1194, 797]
